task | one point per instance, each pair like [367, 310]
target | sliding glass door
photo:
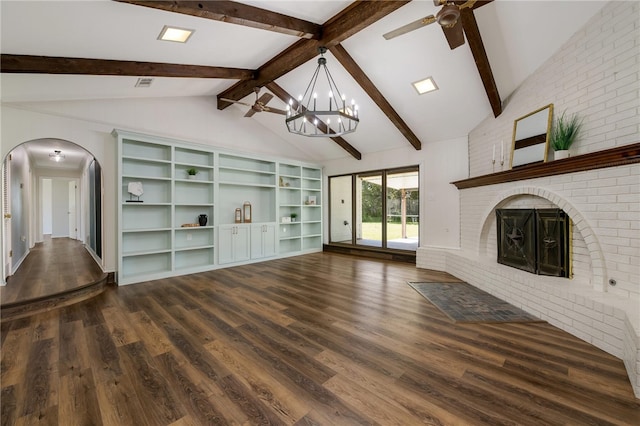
[378, 209]
[403, 208]
[369, 208]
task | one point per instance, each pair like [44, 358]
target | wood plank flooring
[321, 339]
[54, 266]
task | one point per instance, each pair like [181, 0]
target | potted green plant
[293, 216]
[192, 172]
[563, 134]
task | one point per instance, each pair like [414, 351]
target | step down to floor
[26, 308]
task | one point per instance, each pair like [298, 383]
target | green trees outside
[372, 203]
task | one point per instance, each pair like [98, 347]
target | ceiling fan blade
[264, 99]
[274, 110]
[250, 112]
[454, 35]
[410, 27]
[236, 102]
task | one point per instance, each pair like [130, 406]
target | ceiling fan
[260, 105]
[449, 18]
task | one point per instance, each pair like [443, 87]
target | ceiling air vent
[144, 82]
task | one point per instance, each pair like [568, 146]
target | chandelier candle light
[304, 118]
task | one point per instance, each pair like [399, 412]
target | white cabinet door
[225, 244]
[233, 243]
[256, 241]
[263, 240]
[269, 240]
[241, 244]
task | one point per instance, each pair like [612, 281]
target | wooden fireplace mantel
[618, 156]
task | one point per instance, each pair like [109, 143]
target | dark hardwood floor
[54, 266]
[318, 339]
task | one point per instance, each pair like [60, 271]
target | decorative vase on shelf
[561, 154]
[202, 220]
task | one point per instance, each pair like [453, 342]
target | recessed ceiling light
[424, 86]
[180, 35]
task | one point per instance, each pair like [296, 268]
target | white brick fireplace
[604, 246]
[595, 74]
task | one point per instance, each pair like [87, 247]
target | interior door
[60, 208]
[73, 227]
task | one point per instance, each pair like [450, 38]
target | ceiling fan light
[448, 15]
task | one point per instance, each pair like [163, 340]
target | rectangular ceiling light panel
[179, 35]
[425, 86]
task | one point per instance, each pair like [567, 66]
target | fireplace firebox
[535, 240]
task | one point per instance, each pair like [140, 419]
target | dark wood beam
[363, 80]
[295, 55]
[352, 19]
[284, 96]
[26, 64]
[237, 13]
[356, 17]
[482, 61]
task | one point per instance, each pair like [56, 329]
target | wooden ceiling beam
[349, 21]
[298, 53]
[482, 61]
[284, 96]
[237, 13]
[27, 64]
[363, 80]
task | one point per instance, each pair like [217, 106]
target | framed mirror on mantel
[531, 137]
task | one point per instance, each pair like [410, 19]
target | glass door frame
[354, 220]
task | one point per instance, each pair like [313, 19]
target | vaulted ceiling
[55, 51]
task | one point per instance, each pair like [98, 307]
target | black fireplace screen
[535, 240]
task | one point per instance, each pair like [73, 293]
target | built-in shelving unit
[194, 247]
[289, 208]
[311, 208]
[161, 234]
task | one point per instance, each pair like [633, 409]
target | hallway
[55, 266]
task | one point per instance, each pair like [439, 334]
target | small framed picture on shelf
[285, 219]
[311, 200]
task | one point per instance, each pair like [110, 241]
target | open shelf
[194, 258]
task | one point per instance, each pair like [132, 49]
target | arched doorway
[52, 191]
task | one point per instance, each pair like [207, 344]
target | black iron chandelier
[322, 117]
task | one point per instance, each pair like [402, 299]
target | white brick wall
[596, 75]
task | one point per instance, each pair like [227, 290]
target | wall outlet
[189, 237]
